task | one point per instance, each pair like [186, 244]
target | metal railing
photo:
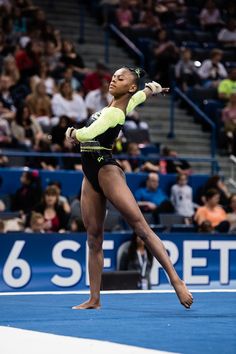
[125, 40]
[177, 92]
[142, 158]
[232, 180]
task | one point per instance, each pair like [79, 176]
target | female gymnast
[105, 180]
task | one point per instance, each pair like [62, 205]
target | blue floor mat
[149, 320]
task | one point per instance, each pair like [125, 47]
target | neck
[121, 102]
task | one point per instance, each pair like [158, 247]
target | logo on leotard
[100, 158]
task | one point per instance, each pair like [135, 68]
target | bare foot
[184, 295]
[88, 305]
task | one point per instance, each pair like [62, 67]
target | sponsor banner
[52, 262]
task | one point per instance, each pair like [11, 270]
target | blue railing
[177, 92]
[150, 157]
[126, 41]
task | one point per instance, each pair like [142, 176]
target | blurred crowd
[45, 86]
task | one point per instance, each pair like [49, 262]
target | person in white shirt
[212, 70]
[97, 99]
[227, 35]
[69, 103]
[182, 197]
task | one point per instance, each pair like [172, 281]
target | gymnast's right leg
[93, 208]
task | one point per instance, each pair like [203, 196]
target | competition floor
[128, 323]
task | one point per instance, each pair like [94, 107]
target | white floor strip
[21, 341]
[82, 292]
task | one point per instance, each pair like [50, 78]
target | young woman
[104, 179]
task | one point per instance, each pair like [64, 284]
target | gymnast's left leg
[112, 182]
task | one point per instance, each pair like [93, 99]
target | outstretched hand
[156, 88]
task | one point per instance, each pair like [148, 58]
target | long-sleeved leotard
[99, 135]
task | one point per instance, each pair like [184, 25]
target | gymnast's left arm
[109, 118]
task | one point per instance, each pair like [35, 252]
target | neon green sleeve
[138, 98]
[109, 118]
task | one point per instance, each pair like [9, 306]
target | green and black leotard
[98, 136]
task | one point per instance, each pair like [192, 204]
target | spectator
[52, 57]
[133, 121]
[227, 35]
[72, 59]
[11, 70]
[137, 257]
[29, 194]
[212, 212]
[210, 17]
[27, 59]
[231, 215]
[148, 26]
[69, 103]
[182, 198]
[36, 223]
[166, 54]
[97, 99]
[227, 86]
[58, 133]
[124, 15]
[63, 201]
[152, 199]
[134, 163]
[216, 182]
[5, 131]
[55, 218]
[93, 80]
[185, 70]
[229, 120]
[40, 105]
[48, 163]
[212, 71]
[68, 76]
[25, 129]
[175, 165]
[6, 99]
[43, 75]
[76, 225]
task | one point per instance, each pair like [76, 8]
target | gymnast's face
[122, 82]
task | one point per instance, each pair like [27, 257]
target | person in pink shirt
[212, 212]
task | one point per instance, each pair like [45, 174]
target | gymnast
[105, 180]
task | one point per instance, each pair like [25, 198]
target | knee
[94, 243]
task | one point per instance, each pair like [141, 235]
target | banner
[52, 262]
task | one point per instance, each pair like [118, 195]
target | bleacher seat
[183, 228]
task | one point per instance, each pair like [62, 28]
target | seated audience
[182, 198]
[25, 128]
[212, 71]
[217, 183]
[29, 194]
[185, 70]
[97, 99]
[210, 17]
[151, 198]
[94, 79]
[69, 103]
[44, 76]
[227, 35]
[55, 218]
[36, 223]
[212, 212]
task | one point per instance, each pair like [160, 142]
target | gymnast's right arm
[109, 118]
